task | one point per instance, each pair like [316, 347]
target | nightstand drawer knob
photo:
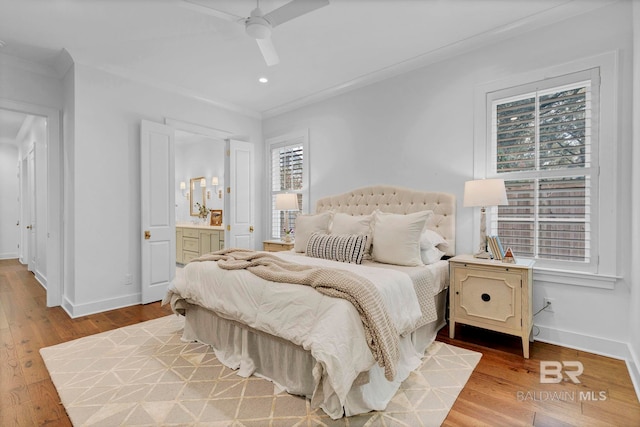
[485, 297]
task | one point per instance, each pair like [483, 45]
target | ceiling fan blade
[212, 12]
[292, 10]
[268, 51]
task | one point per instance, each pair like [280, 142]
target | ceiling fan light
[258, 28]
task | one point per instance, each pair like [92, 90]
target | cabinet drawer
[190, 244]
[492, 297]
[190, 232]
[188, 256]
[277, 247]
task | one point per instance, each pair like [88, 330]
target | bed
[315, 345]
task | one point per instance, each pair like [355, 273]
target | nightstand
[493, 295]
[276, 245]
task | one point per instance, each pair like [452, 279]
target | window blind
[287, 173]
[542, 141]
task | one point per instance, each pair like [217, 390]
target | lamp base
[482, 255]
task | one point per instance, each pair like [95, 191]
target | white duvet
[330, 328]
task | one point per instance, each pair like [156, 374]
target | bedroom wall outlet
[548, 303]
[128, 279]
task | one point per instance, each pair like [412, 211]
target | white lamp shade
[183, 185]
[214, 180]
[485, 192]
[287, 202]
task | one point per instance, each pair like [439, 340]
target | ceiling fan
[259, 25]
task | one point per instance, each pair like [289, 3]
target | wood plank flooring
[504, 389]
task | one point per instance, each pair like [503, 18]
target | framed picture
[216, 217]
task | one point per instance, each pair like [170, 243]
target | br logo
[551, 371]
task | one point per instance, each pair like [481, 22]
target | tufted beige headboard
[366, 200]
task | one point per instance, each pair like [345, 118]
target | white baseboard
[596, 345]
[79, 310]
[41, 279]
[9, 255]
[633, 365]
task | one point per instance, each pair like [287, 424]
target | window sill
[575, 278]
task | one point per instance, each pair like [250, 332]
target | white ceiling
[343, 45]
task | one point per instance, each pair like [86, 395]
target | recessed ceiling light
[263, 80]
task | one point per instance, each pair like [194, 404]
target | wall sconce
[183, 186]
[214, 183]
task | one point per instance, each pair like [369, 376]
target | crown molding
[530, 23]
[26, 65]
[63, 63]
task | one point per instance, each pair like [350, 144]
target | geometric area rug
[144, 375]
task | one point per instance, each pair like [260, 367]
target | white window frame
[589, 77]
[300, 136]
[601, 272]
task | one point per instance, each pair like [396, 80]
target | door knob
[251, 228]
[147, 235]
[29, 227]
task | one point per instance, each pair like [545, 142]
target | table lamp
[482, 193]
[287, 202]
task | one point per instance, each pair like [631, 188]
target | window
[288, 172]
[544, 142]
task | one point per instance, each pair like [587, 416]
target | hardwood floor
[504, 389]
[27, 395]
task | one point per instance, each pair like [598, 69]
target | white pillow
[430, 239]
[396, 238]
[431, 255]
[351, 224]
[306, 225]
[432, 246]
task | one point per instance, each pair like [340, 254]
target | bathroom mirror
[197, 194]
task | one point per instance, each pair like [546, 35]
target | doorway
[39, 198]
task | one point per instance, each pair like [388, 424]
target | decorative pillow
[353, 224]
[337, 247]
[306, 225]
[396, 238]
[432, 246]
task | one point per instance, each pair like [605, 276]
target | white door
[158, 215]
[31, 197]
[240, 196]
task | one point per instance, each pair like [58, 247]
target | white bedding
[329, 328]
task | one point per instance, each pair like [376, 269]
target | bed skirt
[295, 370]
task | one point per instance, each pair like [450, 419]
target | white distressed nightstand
[276, 245]
[493, 295]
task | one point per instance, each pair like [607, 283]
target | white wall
[105, 180]
[9, 206]
[417, 130]
[68, 154]
[195, 158]
[634, 318]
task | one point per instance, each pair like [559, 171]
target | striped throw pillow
[337, 247]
